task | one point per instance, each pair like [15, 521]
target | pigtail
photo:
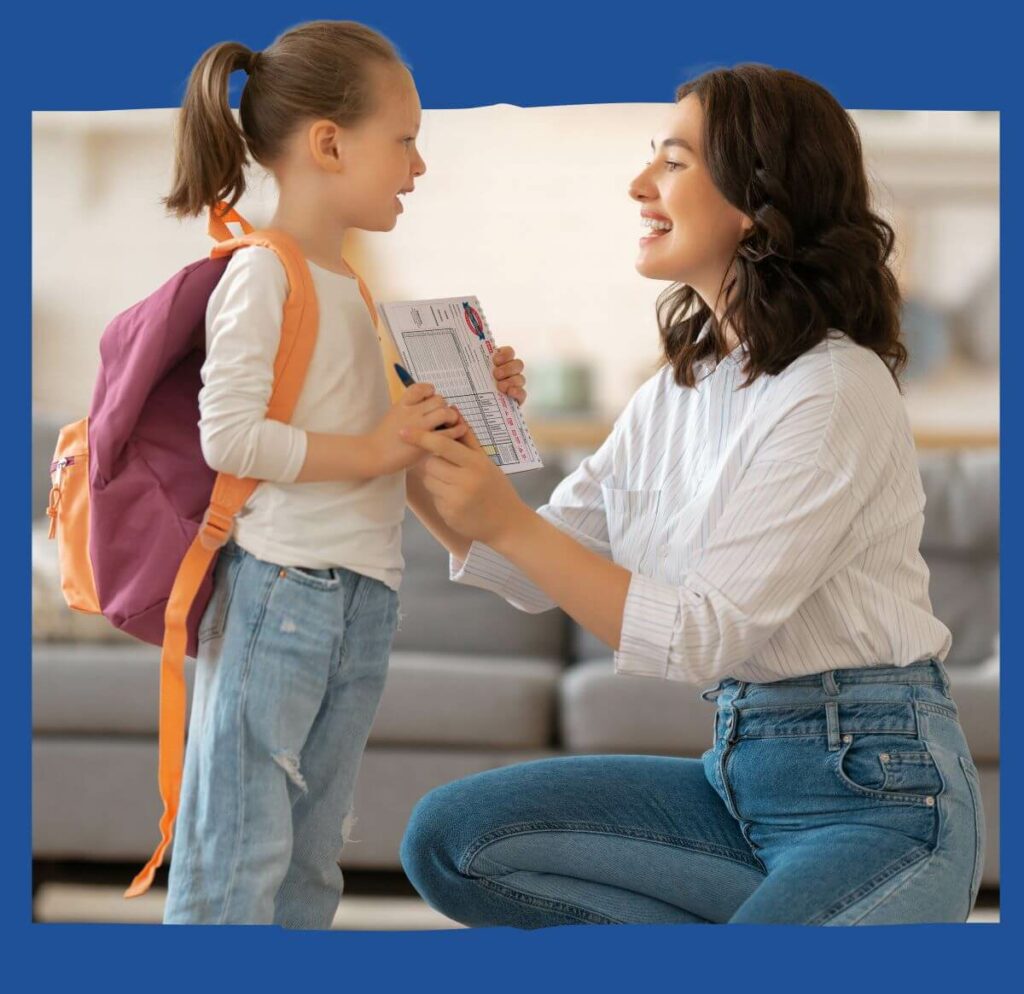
[211, 151]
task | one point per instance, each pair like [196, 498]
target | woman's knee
[428, 845]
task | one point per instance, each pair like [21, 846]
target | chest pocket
[633, 517]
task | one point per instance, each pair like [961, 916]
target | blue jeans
[291, 667]
[845, 798]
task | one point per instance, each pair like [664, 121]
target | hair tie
[250, 66]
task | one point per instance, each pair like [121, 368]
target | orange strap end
[220, 216]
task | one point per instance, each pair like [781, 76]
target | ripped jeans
[291, 667]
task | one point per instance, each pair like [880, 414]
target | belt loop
[828, 681]
[743, 690]
[712, 693]
[832, 718]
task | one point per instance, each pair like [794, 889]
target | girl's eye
[673, 166]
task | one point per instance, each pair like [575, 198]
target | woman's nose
[639, 188]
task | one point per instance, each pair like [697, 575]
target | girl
[295, 640]
[753, 520]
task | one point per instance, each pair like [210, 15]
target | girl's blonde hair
[318, 70]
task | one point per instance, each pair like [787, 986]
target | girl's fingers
[512, 381]
[510, 368]
[417, 393]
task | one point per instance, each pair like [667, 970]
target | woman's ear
[746, 225]
[325, 145]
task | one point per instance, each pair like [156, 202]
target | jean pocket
[319, 579]
[215, 617]
[889, 767]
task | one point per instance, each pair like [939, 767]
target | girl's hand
[473, 496]
[420, 408]
[508, 371]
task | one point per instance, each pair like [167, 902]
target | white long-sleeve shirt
[355, 524]
[771, 531]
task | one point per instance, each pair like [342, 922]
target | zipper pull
[51, 509]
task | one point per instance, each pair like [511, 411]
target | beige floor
[67, 902]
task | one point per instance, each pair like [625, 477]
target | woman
[754, 519]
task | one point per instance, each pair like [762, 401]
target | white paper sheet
[448, 343]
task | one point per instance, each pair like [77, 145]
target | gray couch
[473, 684]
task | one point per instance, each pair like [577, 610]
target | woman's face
[690, 230]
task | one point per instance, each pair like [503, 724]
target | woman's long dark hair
[782, 150]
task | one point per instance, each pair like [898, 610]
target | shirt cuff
[648, 626]
[482, 567]
[485, 568]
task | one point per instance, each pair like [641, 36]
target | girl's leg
[258, 698]
[600, 839]
[308, 897]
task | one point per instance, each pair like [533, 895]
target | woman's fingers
[439, 469]
[435, 443]
[439, 416]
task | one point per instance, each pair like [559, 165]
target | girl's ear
[325, 145]
[746, 224]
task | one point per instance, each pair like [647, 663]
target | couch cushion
[465, 701]
[976, 692]
[97, 689]
[441, 616]
[429, 699]
[600, 711]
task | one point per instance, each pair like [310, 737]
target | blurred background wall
[527, 209]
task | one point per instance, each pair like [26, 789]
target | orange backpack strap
[388, 352]
[298, 338]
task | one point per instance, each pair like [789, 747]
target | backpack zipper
[51, 510]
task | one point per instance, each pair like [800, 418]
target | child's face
[379, 156]
[696, 229]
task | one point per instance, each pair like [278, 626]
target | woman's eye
[673, 166]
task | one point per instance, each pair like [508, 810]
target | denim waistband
[926, 672]
[870, 699]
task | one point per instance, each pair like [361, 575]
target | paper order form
[448, 343]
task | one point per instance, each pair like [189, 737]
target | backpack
[138, 516]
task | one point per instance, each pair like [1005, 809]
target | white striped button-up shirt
[771, 531]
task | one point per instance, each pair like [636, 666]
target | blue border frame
[874, 55]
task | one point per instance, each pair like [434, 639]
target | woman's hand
[472, 496]
[508, 372]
